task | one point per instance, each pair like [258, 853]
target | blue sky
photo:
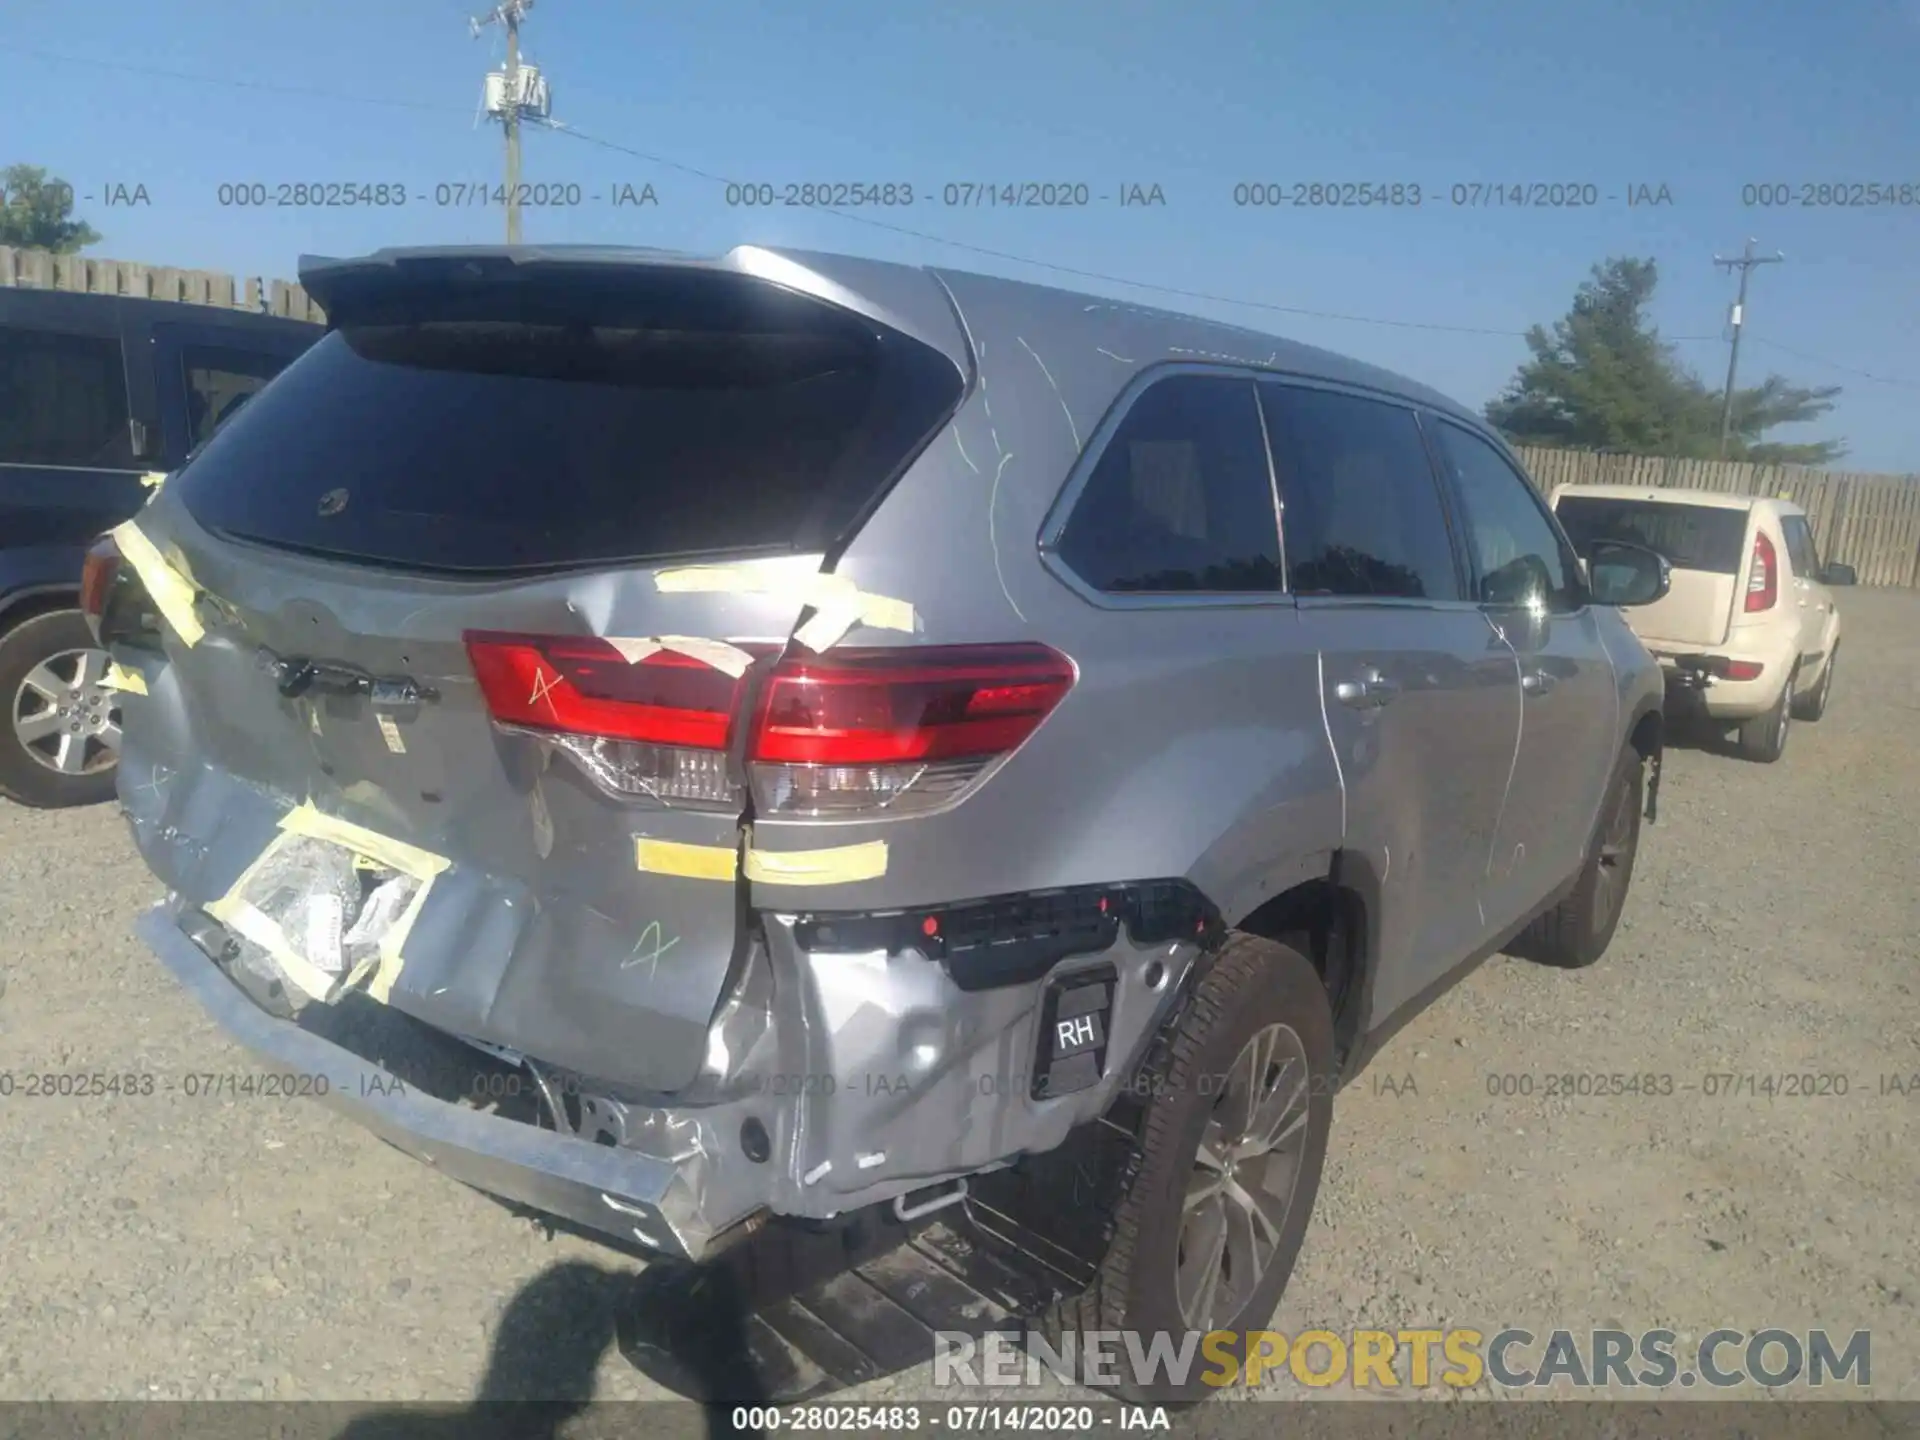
[1702, 96]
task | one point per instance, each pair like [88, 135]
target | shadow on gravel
[789, 1313]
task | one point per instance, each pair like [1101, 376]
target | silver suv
[687, 743]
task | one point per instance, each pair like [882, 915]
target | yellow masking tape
[173, 594]
[835, 866]
[841, 604]
[366, 845]
[260, 929]
[730, 659]
[693, 862]
[411, 860]
[118, 677]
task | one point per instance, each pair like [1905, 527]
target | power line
[869, 220]
[305, 90]
[1835, 364]
[1073, 270]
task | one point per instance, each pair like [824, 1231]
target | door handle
[1537, 682]
[1369, 692]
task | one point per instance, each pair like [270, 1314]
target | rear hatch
[1705, 545]
[482, 573]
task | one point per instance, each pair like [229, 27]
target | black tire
[1576, 932]
[1763, 739]
[1251, 986]
[27, 772]
[1811, 706]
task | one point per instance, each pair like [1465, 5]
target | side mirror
[1624, 574]
[1837, 574]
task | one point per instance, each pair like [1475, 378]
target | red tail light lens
[896, 730]
[883, 707]
[1763, 578]
[97, 575]
[838, 734]
[578, 685]
[1744, 669]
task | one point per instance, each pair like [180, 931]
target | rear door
[1421, 697]
[1705, 544]
[1812, 599]
[1526, 579]
[481, 573]
[67, 464]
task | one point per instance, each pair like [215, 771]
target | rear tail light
[1763, 577]
[903, 730]
[1744, 669]
[658, 727]
[97, 575]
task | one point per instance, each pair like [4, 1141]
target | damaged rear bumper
[612, 1191]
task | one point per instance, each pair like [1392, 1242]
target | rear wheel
[1813, 705]
[1233, 1145]
[61, 744]
[1577, 931]
[1764, 737]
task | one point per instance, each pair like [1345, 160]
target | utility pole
[518, 88]
[1744, 263]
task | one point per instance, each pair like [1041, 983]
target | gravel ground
[161, 1246]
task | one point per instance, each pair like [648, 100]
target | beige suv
[1749, 632]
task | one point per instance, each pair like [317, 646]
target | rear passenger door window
[220, 379]
[1181, 499]
[1800, 551]
[1519, 557]
[63, 401]
[1361, 512]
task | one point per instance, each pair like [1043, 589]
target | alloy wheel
[65, 718]
[1617, 840]
[1241, 1189]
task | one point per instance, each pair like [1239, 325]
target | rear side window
[1181, 498]
[1362, 511]
[63, 401]
[1692, 537]
[219, 381]
[1800, 549]
[554, 421]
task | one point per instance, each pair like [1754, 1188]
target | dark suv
[838, 734]
[100, 395]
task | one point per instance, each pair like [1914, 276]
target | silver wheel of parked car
[1619, 836]
[1764, 737]
[65, 718]
[1815, 704]
[1244, 1171]
[62, 745]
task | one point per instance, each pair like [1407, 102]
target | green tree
[37, 212]
[1603, 379]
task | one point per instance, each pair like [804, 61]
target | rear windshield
[565, 421]
[1692, 537]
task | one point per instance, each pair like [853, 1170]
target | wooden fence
[43, 270]
[1871, 522]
